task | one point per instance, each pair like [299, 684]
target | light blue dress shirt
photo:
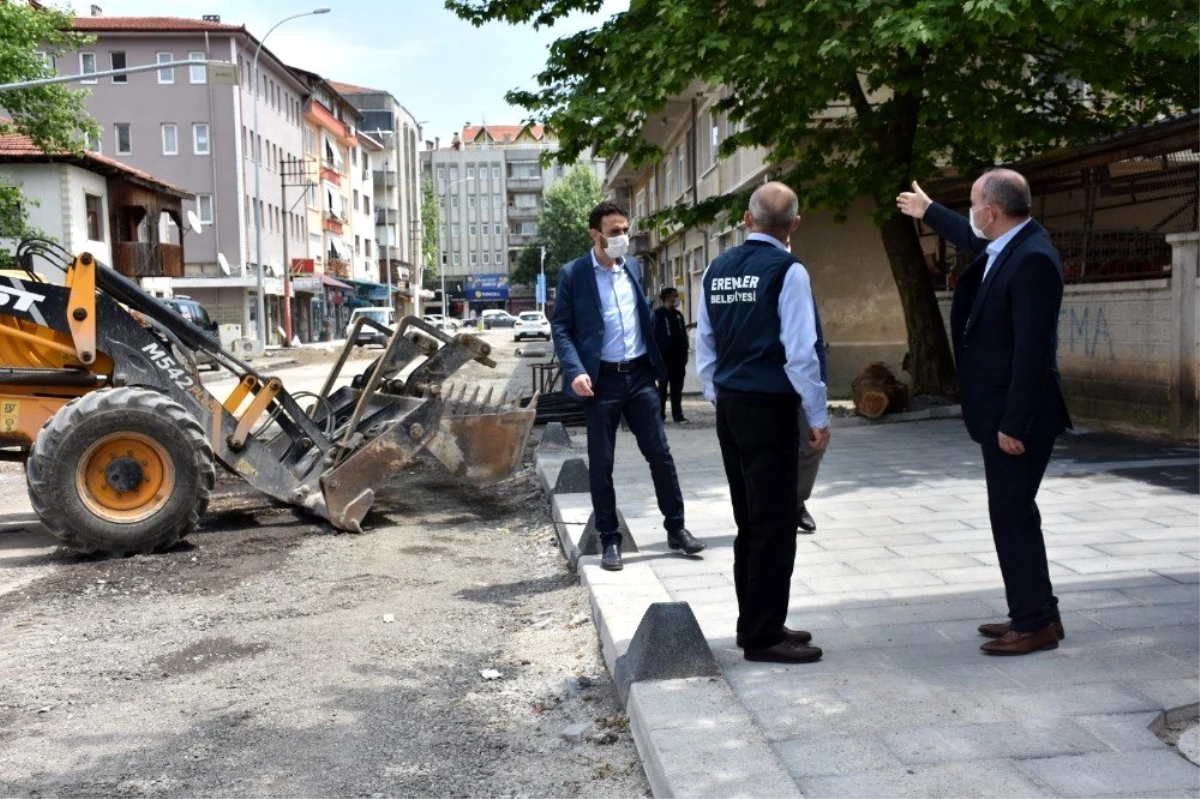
[996, 246]
[797, 332]
[618, 305]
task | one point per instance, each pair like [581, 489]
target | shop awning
[334, 283]
[372, 292]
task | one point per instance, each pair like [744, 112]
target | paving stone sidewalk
[893, 585]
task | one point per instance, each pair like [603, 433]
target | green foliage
[431, 220]
[53, 116]
[856, 98]
[562, 225]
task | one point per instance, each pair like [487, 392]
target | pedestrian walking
[670, 332]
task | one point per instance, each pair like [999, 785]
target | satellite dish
[194, 222]
[223, 262]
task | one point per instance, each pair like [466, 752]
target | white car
[441, 323]
[531, 324]
[368, 334]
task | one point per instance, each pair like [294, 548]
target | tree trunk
[877, 391]
[930, 362]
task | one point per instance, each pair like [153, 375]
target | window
[456, 259]
[471, 230]
[170, 140]
[367, 247]
[117, 58]
[681, 167]
[487, 259]
[441, 173]
[498, 258]
[453, 174]
[200, 138]
[470, 173]
[474, 259]
[358, 245]
[495, 173]
[454, 230]
[496, 201]
[454, 201]
[198, 73]
[715, 136]
[204, 208]
[471, 201]
[165, 75]
[87, 66]
[310, 141]
[50, 62]
[356, 202]
[124, 138]
[497, 230]
[95, 217]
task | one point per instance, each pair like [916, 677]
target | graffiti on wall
[1087, 333]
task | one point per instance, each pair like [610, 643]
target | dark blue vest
[741, 293]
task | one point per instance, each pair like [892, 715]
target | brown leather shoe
[997, 629]
[795, 636]
[1015, 642]
[784, 652]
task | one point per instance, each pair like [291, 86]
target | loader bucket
[483, 443]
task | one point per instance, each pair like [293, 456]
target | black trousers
[1012, 484]
[760, 446]
[631, 395]
[673, 385]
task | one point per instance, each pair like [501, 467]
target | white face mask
[617, 246]
[971, 219]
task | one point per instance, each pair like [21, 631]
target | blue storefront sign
[486, 287]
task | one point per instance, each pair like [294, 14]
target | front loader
[101, 398]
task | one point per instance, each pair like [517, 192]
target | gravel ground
[447, 651]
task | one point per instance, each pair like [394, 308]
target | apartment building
[176, 124]
[397, 192]
[489, 185]
[852, 280]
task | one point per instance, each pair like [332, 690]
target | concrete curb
[691, 733]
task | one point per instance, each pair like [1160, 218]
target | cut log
[877, 391]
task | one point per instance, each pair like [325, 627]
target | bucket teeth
[462, 400]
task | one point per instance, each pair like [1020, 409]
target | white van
[369, 334]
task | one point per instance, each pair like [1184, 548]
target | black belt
[624, 367]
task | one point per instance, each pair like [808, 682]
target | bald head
[773, 208]
[1008, 191]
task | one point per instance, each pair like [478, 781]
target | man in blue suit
[605, 342]
[1004, 323]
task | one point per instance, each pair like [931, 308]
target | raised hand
[913, 203]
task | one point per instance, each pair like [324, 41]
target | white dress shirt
[618, 305]
[996, 246]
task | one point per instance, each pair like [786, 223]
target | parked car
[531, 324]
[369, 334]
[443, 324]
[496, 318]
[194, 312]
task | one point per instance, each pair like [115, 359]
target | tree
[562, 225]
[431, 222]
[855, 98]
[54, 117]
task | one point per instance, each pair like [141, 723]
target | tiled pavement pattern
[893, 585]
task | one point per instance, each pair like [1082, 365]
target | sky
[443, 70]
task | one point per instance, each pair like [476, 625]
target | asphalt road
[446, 651]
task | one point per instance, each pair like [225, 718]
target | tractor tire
[120, 471]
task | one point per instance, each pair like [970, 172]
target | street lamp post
[261, 305]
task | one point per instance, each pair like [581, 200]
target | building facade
[489, 184]
[396, 192]
[178, 124]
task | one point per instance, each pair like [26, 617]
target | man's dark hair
[1011, 195]
[667, 292]
[606, 208]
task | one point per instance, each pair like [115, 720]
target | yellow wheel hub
[125, 477]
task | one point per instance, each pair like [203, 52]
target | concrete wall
[1127, 351]
[57, 192]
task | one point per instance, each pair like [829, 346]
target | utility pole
[293, 170]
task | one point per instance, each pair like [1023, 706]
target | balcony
[525, 183]
[385, 178]
[148, 259]
[338, 268]
[521, 239]
[387, 216]
[524, 211]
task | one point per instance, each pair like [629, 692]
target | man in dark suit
[604, 340]
[670, 333]
[1003, 322]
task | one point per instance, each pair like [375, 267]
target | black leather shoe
[795, 636]
[682, 420]
[686, 541]
[611, 559]
[804, 521]
[784, 652]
